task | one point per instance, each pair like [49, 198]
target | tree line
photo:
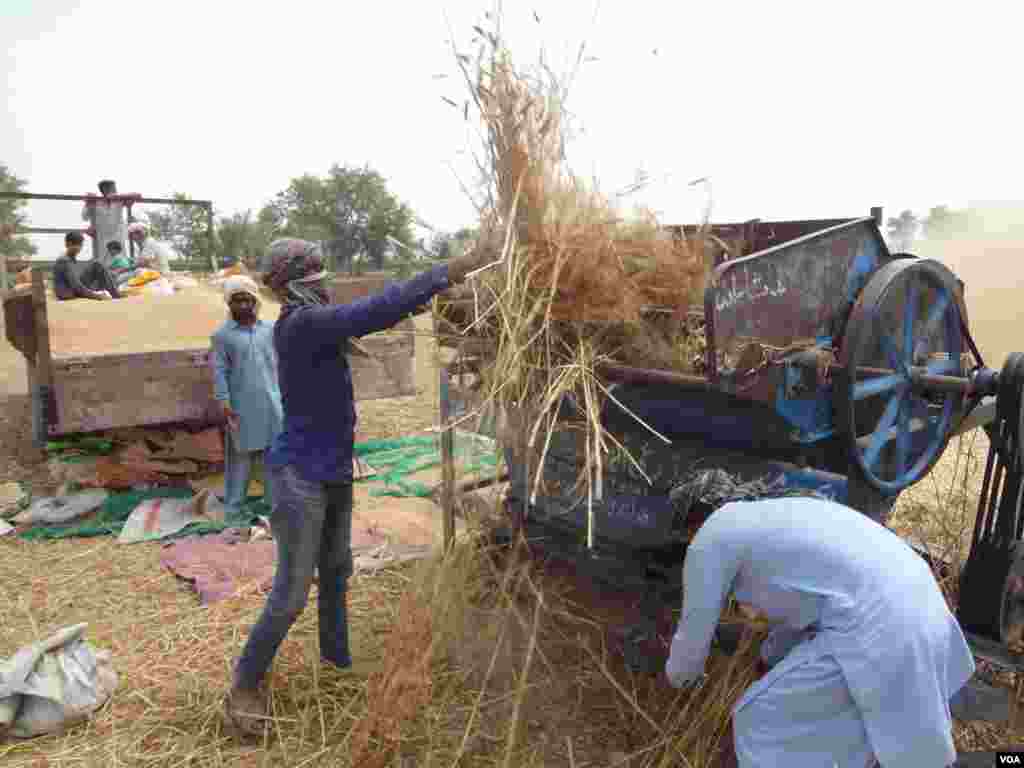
[361, 224]
[944, 223]
[350, 211]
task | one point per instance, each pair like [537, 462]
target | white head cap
[241, 284]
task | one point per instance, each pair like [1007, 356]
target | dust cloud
[985, 249]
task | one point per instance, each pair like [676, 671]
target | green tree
[160, 225]
[446, 245]
[244, 239]
[350, 210]
[11, 214]
[942, 223]
[441, 246]
[186, 227]
[902, 230]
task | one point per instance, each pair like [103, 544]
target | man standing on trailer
[106, 217]
[245, 385]
[72, 280]
[865, 655]
[310, 462]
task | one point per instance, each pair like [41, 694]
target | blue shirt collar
[235, 325]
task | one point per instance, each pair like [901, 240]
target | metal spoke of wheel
[941, 305]
[878, 385]
[904, 324]
[882, 436]
[903, 436]
[891, 353]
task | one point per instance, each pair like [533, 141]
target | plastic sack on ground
[48, 686]
[13, 498]
[61, 509]
[157, 518]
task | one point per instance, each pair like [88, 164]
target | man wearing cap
[245, 385]
[310, 461]
[153, 254]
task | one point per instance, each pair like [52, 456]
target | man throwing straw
[310, 461]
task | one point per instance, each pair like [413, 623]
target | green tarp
[395, 460]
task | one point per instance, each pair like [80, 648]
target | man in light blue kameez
[245, 385]
[864, 656]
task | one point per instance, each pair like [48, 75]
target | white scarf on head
[241, 284]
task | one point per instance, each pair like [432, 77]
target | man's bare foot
[247, 711]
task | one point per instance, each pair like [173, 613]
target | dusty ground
[152, 624]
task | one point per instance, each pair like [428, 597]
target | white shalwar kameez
[107, 217]
[866, 653]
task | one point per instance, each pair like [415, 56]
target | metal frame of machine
[831, 364]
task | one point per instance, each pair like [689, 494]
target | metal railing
[127, 200]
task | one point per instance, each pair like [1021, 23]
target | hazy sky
[794, 109]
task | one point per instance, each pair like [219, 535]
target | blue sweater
[315, 379]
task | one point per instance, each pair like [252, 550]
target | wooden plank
[343, 290]
[43, 394]
[346, 289]
[19, 322]
[97, 393]
[390, 373]
[104, 392]
[447, 452]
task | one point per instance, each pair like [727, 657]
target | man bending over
[864, 656]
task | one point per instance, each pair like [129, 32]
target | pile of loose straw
[574, 281]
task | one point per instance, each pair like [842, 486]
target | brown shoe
[247, 711]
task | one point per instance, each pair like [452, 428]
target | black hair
[73, 238]
[107, 183]
[115, 246]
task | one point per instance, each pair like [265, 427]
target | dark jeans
[312, 525]
[96, 277]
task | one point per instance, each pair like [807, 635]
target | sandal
[248, 723]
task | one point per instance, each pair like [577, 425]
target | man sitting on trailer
[121, 267]
[245, 385]
[864, 656]
[153, 254]
[74, 280]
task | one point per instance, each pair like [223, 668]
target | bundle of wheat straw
[574, 275]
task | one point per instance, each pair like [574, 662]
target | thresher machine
[829, 364]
